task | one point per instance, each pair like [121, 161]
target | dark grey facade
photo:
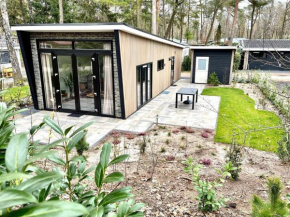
[269, 60]
[220, 61]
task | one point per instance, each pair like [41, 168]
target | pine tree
[218, 34]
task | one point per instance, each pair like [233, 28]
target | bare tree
[9, 41]
[233, 31]
[176, 4]
[22, 11]
[216, 5]
[60, 11]
[154, 28]
[285, 19]
[30, 11]
[138, 12]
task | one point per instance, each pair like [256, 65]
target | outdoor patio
[161, 109]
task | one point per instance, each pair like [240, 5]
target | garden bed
[170, 193]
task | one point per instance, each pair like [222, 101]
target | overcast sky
[246, 2]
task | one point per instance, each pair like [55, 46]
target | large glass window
[86, 87]
[144, 84]
[55, 44]
[66, 81]
[47, 72]
[202, 63]
[91, 45]
[106, 82]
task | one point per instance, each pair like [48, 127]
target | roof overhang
[213, 48]
[266, 49]
[92, 27]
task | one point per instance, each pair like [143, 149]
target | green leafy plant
[208, 200]
[283, 150]
[186, 64]
[69, 82]
[275, 206]
[82, 145]
[213, 79]
[237, 60]
[235, 156]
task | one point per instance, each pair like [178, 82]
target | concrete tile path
[204, 115]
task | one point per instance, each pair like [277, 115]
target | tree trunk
[181, 31]
[233, 32]
[9, 42]
[284, 20]
[153, 17]
[157, 15]
[170, 24]
[226, 34]
[22, 11]
[60, 11]
[211, 25]
[252, 21]
[30, 11]
[201, 20]
[163, 13]
[138, 10]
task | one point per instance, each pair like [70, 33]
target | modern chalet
[266, 54]
[106, 69]
[208, 59]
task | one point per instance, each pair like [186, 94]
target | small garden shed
[209, 59]
[105, 69]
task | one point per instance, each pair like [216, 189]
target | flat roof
[92, 27]
[213, 47]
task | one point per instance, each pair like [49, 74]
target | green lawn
[237, 114]
[11, 94]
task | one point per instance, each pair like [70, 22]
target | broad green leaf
[56, 159]
[105, 155]
[13, 197]
[66, 131]
[51, 208]
[99, 175]
[74, 140]
[116, 196]
[114, 177]
[136, 207]
[119, 159]
[16, 152]
[39, 156]
[5, 177]
[81, 128]
[51, 145]
[51, 123]
[123, 209]
[136, 214]
[39, 181]
[16, 112]
[97, 212]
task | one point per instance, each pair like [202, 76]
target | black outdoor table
[187, 91]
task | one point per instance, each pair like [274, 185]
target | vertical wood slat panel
[135, 51]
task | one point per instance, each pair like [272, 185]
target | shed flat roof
[213, 47]
[92, 27]
[265, 45]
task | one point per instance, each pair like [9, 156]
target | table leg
[181, 97]
[176, 100]
[193, 96]
[196, 95]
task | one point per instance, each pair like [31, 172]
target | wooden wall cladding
[136, 51]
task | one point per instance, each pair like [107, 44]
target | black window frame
[159, 68]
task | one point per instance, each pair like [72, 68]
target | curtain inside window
[108, 103]
[47, 77]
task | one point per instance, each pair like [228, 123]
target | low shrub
[186, 64]
[283, 150]
[213, 79]
[235, 156]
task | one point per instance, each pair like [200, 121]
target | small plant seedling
[169, 133]
[182, 146]
[199, 146]
[183, 138]
[206, 162]
[213, 154]
[167, 141]
[162, 150]
[156, 134]
[162, 127]
[262, 176]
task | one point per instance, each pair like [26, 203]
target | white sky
[246, 2]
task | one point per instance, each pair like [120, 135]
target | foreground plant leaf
[5, 177]
[13, 197]
[51, 208]
[16, 152]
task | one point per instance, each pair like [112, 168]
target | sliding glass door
[78, 82]
[144, 84]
